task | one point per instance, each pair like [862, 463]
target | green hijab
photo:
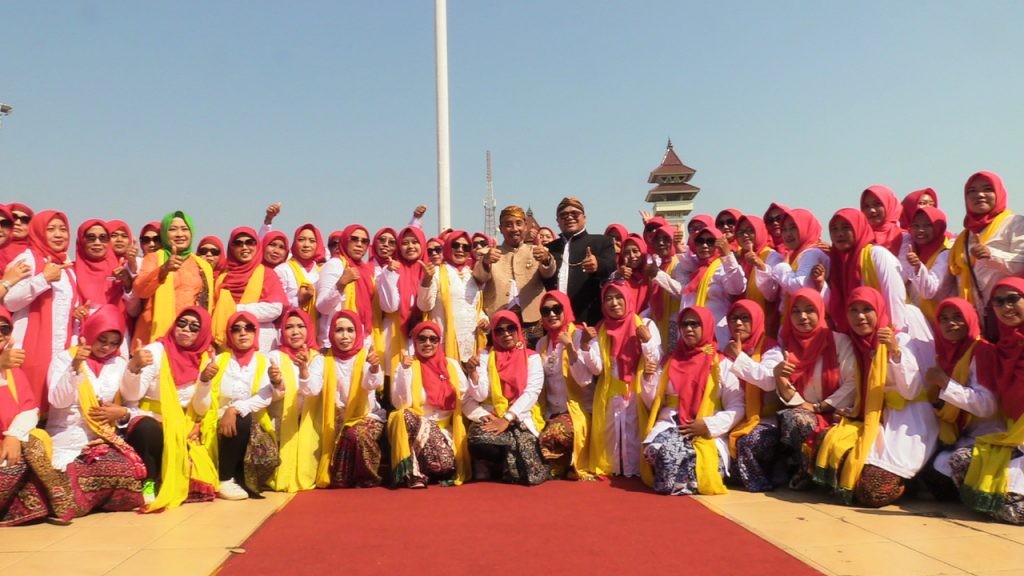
[165, 224]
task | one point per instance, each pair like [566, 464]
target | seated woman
[346, 380]
[177, 368]
[817, 379]
[30, 488]
[296, 420]
[245, 385]
[506, 382]
[991, 477]
[426, 430]
[104, 471]
[755, 441]
[570, 361]
[961, 376]
[628, 349]
[693, 406]
[895, 431]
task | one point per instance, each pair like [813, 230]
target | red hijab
[757, 331]
[808, 229]
[804, 349]
[511, 362]
[654, 298]
[702, 263]
[106, 318]
[619, 229]
[270, 237]
[622, 336]
[238, 273]
[310, 332]
[184, 361]
[18, 245]
[8, 251]
[447, 251]
[1010, 350]
[410, 274]
[637, 281]
[736, 215]
[243, 356]
[977, 222]
[776, 241]
[319, 256]
[910, 205]
[845, 273]
[888, 234]
[364, 285]
[690, 366]
[948, 353]
[434, 371]
[357, 346]
[568, 318]
[377, 258]
[93, 276]
[938, 242]
[222, 261]
[704, 219]
[865, 346]
[761, 239]
[9, 408]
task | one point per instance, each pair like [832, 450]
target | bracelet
[7, 285]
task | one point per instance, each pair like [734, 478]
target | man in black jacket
[579, 262]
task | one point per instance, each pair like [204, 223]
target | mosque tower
[672, 194]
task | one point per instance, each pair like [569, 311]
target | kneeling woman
[30, 489]
[104, 471]
[895, 430]
[426, 431]
[696, 403]
[170, 380]
[346, 379]
[237, 429]
[503, 407]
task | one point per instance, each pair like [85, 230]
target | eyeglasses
[24, 218]
[387, 241]
[434, 250]
[774, 219]
[189, 326]
[149, 240]
[1008, 300]
[6, 329]
[208, 252]
[478, 243]
[240, 328]
[507, 329]
[359, 240]
[569, 215]
[725, 222]
[244, 242]
[104, 238]
[425, 339]
[5, 223]
[704, 241]
[689, 324]
[555, 309]
[460, 246]
[745, 318]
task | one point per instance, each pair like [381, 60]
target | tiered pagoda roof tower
[672, 194]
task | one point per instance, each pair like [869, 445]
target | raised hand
[52, 271]
[373, 359]
[17, 272]
[141, 359]
[10, 355]
[419, 211]
[347, 277]
[589, 262]
[624, 272]
[210, 372]
[733, 349]
[173, 263]
[722, 244]
[818, 276]
[913, 258]
[305, 294]
[428, 272]
[980, 251]
[80, 313]
[589, 333]
[81, 355]
[272, 211]
[274, 372]
[643, 333]
[393, 264]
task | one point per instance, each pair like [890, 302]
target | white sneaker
[230, 490]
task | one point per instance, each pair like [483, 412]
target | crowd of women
[748, 351]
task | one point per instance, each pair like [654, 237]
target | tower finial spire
[669, 142]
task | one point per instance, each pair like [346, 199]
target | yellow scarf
[753, 292]
[949, 415]
[669, 307]
[182, 461]
[709, 481]
[401, 450]
[705, 282]
[579, 416]
[357, 404]
[868, 274]
[451, 342]
[300, 280]
[212, 417]
[299, 442]
[958, 264]
[988, 477]
[165, 311]
[226, 305]
[498, 399]
[87, 401]
[607, 387]
[854, 437]
[756, 408]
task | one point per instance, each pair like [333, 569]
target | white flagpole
[444, 216]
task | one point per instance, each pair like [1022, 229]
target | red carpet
[561, 527]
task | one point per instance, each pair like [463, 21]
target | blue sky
[131, 109]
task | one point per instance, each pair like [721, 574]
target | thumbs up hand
[913, 258]
[589, 262]
[141, 359]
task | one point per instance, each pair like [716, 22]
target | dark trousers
[231, 451]
[146, 437]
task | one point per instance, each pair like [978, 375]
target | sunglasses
[555, 309]
[359, 240]
[387, 242]
[434, 250]
[1008, 300]
[725, 222]
[189, 326]
[6, 329]
[704, 241]
[424, 339]
[569, 214]
[509, 329]
[5, 223]
[104, 238]
[478, 243]
[149, 240]
[333, 244]
[208, 252]
[244, 242]
[461, 246]
[240, 328]
[24, 218]
[774, 219]
[744, 318]
[689, 324]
